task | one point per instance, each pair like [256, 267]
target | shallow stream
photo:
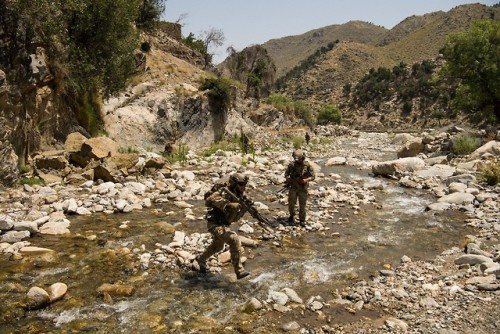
[358, 244]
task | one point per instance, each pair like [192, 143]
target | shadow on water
[356, 245]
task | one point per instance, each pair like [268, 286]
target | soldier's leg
[302, 206]
[232, 239]
[216, 246]
[292, 199]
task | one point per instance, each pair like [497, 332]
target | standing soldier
[298, 174]
[308, 138]
[222, 211]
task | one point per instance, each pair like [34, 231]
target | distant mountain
[363, 46]
[287, 52]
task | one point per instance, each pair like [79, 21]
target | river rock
[14, 236]
[37, 298]
[253, 305]
[294, 297]
[116, 290]
[32, 250]
[6, 223]
[472, 259]
[57, 291]
[457, 198]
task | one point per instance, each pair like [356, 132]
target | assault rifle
[263, 221]
[285, 187]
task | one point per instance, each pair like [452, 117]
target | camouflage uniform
[296, 172]
[222, 211]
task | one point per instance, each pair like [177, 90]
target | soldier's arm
[312, 175]
[216, 200]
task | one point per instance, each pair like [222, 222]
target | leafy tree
[473, 57]
[150, 13]
[89, 46]
[329, 114]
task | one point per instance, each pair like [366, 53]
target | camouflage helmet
[299, 154]
[237, 178]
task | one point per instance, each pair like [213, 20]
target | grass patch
[464, 144]
[31, 181]
[490, 172]
[179, 154]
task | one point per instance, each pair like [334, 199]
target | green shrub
[298, 142]
[329, 114]
[24, 169]
[280, 102]
[31, 181]
[464, 144]
[219, 91]
[490, 172]
[222, 145]
[179, 154]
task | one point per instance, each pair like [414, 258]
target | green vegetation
[89, 52]
[179, 154]
[473, 57]
[31, 181]
[329, 114]
[208, 38]
[297, 141]
[280, 102]
[304, 65]
[380, 84]
[222, 145]
[304, 112]
[299, 108]
[219, 92]
[490, 172]
[24, 169]
[464, 144]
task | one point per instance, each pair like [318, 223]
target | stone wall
[173, 30]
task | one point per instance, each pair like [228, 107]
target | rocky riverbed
[456, 291]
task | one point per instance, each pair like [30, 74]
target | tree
[89, 47]
[473, 57]
[212, 37]
[150, 12]
[329, 114]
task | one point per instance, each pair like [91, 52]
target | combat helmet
[237, 178]
[298, 154]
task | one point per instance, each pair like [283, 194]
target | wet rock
[253, 305]
[116, 290]
[57, 291]
[37, 298]
[292, 295]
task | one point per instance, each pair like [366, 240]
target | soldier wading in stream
[222, 211]
[297, 176]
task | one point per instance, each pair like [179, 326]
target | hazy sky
[248, 22]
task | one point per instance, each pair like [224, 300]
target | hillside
[413, 40]
[287, 52]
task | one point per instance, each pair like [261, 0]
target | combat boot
[302, 223]
[242, 274]
[291, 220]
[199, 265]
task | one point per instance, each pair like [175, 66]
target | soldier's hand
[232, 207]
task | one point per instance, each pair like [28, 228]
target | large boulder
[9, 172]
[409, 164]
[95, 149]
[411, 149]
[491, 147]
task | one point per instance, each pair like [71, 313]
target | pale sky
[250, 22]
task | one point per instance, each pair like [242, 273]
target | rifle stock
[263, 221]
